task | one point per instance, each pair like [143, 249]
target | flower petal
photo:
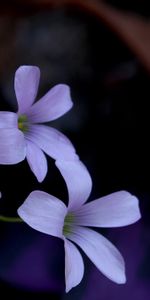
[51, 141]
[37, 161]
[12, 146]
[78, 182]
[26, 86]
[74, 266]
[102, 253]
[44, 213]
[53, 105]
[8, 119]
[115, 210]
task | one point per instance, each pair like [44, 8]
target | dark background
[109, 126]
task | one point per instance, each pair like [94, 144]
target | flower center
[68, 222]
[23, 123]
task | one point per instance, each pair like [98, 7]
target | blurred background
[101, 49]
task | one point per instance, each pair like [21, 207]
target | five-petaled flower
[20, 134]
[49, 215]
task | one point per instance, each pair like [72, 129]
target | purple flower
[49, 215]
[21, 136]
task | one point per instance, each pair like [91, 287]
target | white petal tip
[122, 280]
[120, 277]
[27, 67]
[40, 179]
[67, 289]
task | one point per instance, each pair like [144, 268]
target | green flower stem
[10, 219]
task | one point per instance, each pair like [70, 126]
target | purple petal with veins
[46, 214]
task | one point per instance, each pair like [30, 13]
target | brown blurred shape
[133, 29]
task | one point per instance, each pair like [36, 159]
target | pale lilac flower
[49, 215]
[20, 134]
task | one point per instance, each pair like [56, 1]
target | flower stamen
[68, 222]
[23, 123]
